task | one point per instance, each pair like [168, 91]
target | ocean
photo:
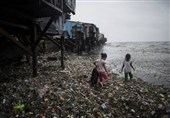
[150, 59]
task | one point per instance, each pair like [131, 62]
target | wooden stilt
[62, 51]
[34, 57]
[44, 46]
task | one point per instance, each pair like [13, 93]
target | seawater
[150, 59]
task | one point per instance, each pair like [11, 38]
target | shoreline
[150, 59]
[67, 93]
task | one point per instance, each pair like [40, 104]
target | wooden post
[62, 51]
[62, 37]
[34, 56]
[44, 46]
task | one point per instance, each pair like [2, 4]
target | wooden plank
[11, 38]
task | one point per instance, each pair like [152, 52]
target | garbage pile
[58, 93]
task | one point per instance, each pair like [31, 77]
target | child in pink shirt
[101, 68]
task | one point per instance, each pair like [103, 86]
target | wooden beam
[68, 40]
[45, 29]
[55, 42]
[11, 38]
[14, 25]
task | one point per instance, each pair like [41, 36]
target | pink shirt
[100, 65]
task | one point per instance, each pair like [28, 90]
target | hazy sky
[127, 20]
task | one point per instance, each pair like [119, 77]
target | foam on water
[151, 59]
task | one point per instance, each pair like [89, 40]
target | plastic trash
[19, 106]
[104, 106]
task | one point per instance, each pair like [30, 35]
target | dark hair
[127, 57]
[103, 55]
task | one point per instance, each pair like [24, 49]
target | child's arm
[122, 68]
[95, 63]
[104, 65]
[132, 66]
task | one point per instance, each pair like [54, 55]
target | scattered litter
[58, 93]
